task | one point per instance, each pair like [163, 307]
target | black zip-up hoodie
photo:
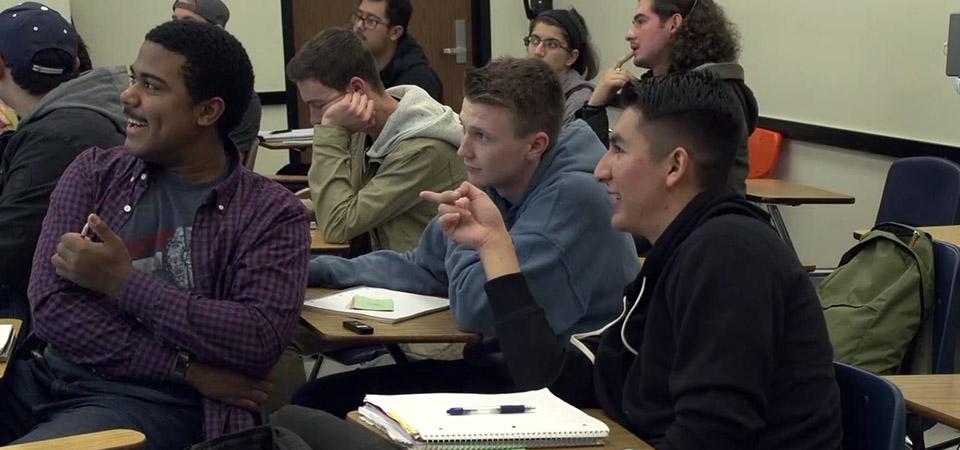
[410, 66]
[728, 348]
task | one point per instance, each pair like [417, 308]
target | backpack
[876, 304]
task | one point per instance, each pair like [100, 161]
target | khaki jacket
[353, 194]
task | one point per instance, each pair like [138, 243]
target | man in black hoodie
[721, 343]
[61, 114]
[382, 25]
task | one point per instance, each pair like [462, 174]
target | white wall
[821, 233]
[114, 31]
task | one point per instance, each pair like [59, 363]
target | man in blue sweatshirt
[541, 180]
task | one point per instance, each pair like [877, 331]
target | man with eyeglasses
[382, 26]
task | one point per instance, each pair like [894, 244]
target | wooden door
[433, 25]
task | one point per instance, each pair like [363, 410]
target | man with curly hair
[669, 36]
[167, 277]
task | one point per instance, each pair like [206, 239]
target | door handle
[460, 51]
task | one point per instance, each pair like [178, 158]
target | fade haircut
[216, 66]
[526, 87]
[333, 57]
[695, 110]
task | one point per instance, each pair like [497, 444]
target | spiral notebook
[420, 421]
[406, 305]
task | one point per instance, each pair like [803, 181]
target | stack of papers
[6, 341]
[421, 421]
[384, 305]
[302, 134]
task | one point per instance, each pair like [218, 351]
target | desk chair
[872, 410]
[764, 147]
[946, 257]
[250, 158]
[921, 191]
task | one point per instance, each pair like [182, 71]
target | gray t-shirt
[158, 233]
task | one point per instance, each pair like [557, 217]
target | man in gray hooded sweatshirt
[374, 149]
[61, 113]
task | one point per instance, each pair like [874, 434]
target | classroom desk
[320, 246]
[299, 149]
[935, 397]
[16, 332]
[945, 233]
[120, 439]
[773, 192]
[619, 438]
[438, 327]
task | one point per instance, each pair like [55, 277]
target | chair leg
[316, 367]
[397, 354]
[915, 431]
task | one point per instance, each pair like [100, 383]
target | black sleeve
[727, 323]
[424, 77]
[245, 132]
[36, 162]
[535, 356]
[596, 117]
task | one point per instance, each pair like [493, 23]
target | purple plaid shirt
[250, 247]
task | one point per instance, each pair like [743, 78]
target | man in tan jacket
[374, 149]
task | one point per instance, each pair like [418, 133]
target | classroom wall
[114, 30]
[821, 233]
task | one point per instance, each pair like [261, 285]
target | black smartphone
[357, 326]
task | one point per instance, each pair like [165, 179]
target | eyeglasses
[370, 22]
[533, 41]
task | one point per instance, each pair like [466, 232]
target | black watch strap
[178, 374]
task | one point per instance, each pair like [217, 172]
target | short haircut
[695, 110]
[586, 63]
[39, 84]
[398, 12]
[333, 57]
[527, 87]
[216, 66]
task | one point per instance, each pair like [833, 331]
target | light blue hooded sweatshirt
[575, 262]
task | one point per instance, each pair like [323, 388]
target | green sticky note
[372, 304]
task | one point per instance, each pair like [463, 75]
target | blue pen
[502, 409]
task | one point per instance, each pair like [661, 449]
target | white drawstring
[623, 327]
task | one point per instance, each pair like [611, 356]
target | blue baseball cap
[31, 27]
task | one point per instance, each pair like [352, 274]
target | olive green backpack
[877, 302]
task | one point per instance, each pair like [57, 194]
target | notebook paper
[424, 421]
[405, 305]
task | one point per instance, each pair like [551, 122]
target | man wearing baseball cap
[61, 114]
[244, 135]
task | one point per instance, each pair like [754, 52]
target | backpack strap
[577, 88]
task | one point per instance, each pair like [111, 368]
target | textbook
[405, 305]
[7, 339]
[300, 134]
[426, 421]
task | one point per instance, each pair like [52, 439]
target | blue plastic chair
[946, 259]
[872, 408]
[921, 191]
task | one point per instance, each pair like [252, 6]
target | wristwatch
[178, 374]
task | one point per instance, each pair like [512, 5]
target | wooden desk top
[319, 245]
[618, 439]
[935, 397]
[435, 327]
[101, 440]
[946, 233]
[287, 145]
[780, 192]
[16, 333]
